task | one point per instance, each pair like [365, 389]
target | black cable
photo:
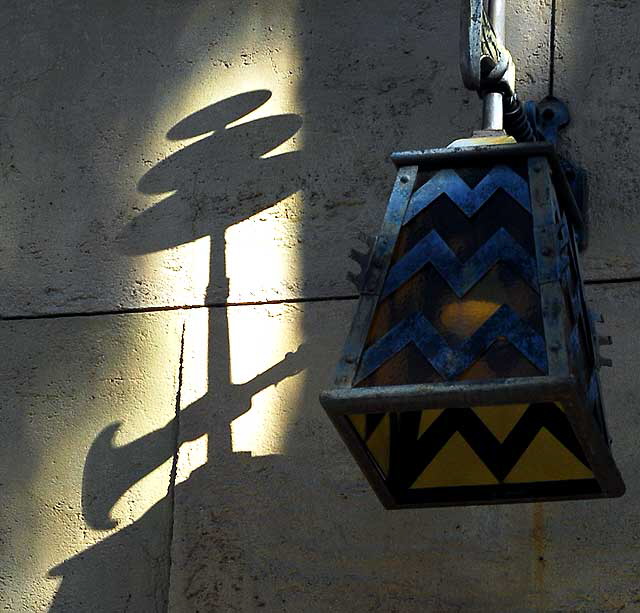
[516, 122]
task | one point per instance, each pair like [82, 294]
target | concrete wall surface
[181, 184]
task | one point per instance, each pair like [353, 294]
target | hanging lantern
[470, 374]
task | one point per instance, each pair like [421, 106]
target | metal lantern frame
[572, 359]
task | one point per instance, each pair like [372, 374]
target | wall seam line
[224, 305]
[184, 307]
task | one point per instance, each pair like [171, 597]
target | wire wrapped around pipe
[516, 122]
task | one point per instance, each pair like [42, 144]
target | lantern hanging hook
[488, 68]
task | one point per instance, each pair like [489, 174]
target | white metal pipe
[492, 116]
[498, 17]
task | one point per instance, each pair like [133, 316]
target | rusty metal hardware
[488, 68]
[485, 63]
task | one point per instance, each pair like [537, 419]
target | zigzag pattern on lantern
[499, 457]
[461, 277]
[468, 199]
[453, 361]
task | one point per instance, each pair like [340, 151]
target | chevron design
[461, 277]
[468, 199]
[500, 458]
[453, 361]
[468, 233]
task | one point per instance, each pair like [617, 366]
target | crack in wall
[171, 493]
[552, 45]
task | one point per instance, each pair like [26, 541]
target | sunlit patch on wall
[262, 251]
[195, 358]
[197, 263]
[191, 456]
[259, 431]
[263, 341]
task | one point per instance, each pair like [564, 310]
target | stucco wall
[181, 184]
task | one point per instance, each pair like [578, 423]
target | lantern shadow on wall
[196, 175]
